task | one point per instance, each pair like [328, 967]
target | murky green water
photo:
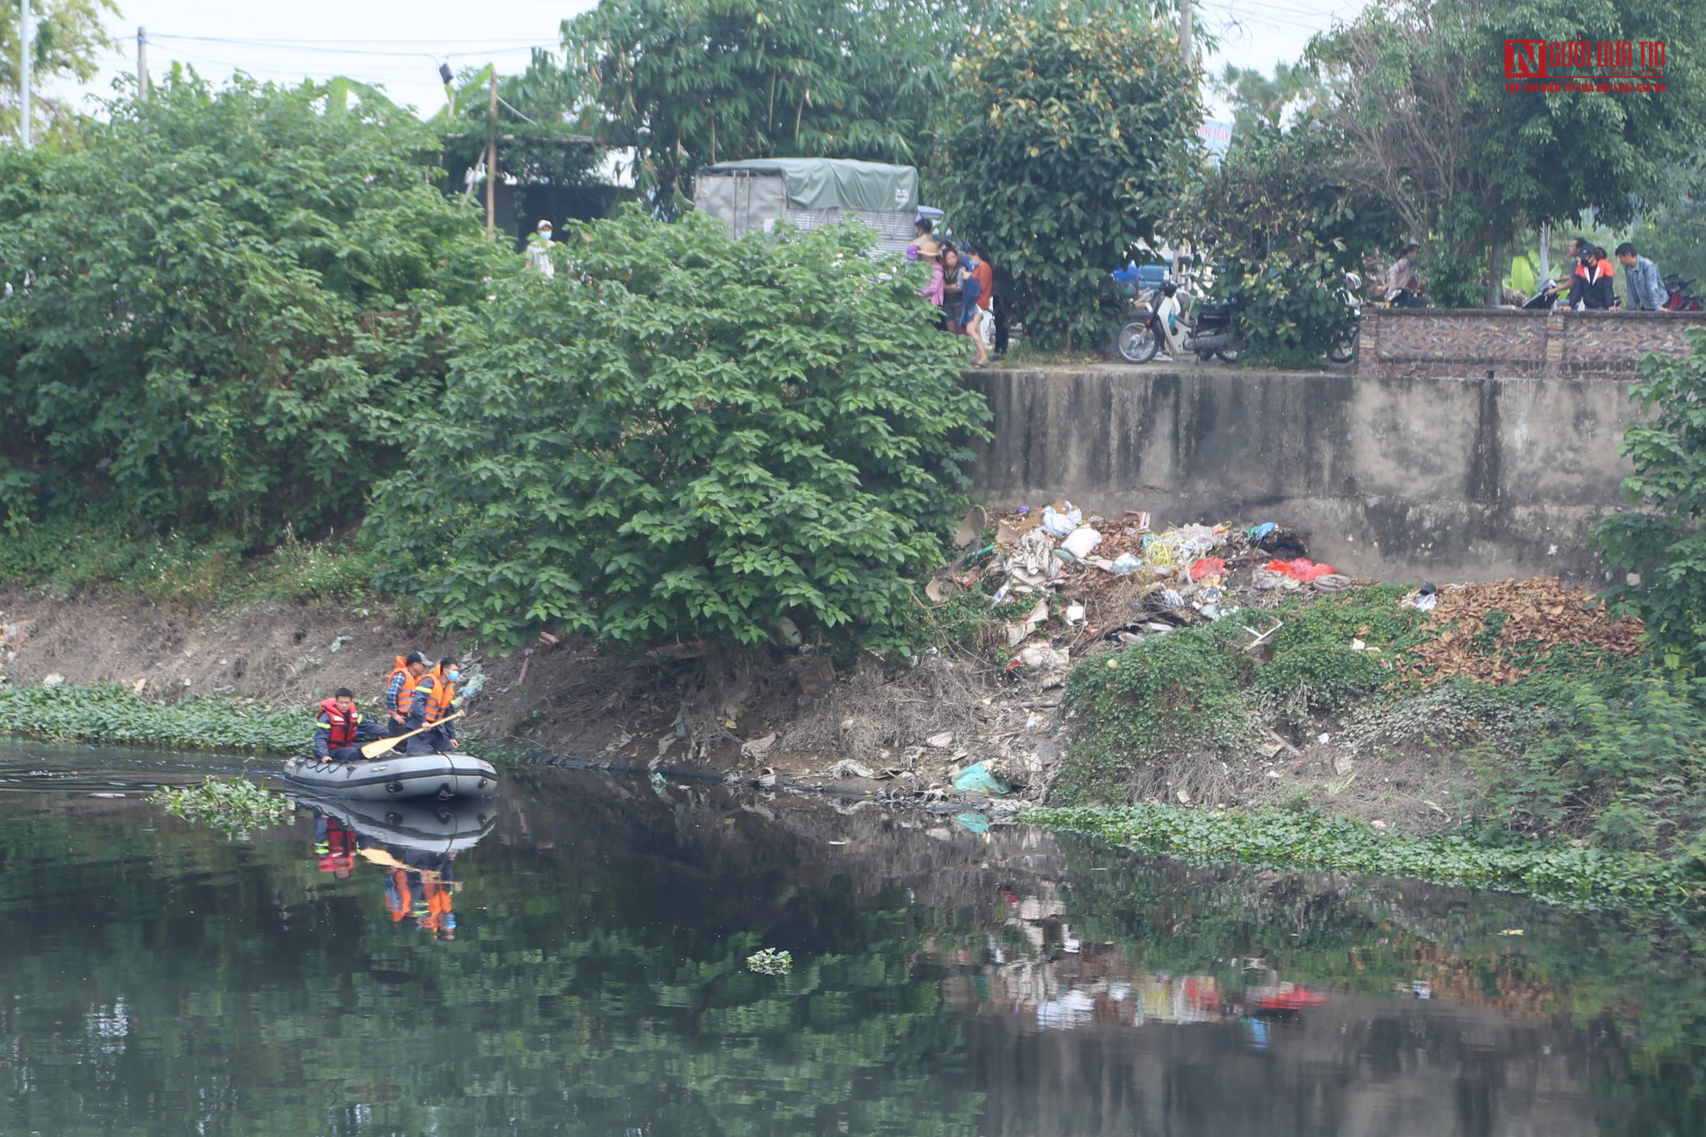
[570, 958]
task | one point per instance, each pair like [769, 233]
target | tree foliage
[1420, 98]
[1076, 133]
[689, 82]
[225, 308]
[1286, 226]
[679, 435]
[1665, 540]
[70, 38]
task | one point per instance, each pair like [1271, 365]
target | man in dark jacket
[337, 729]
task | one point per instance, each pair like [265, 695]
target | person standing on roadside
[1644, 287]
[974, 303]
[539, 249]
[1403, 286]
[953, 287]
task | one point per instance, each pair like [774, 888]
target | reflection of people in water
[336, 845]
[419, 888]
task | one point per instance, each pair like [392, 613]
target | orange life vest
[405, 693]
[440, 695]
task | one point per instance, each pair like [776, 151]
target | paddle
[385, 745]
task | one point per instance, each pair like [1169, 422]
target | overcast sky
[400, 45]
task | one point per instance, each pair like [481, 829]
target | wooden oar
[385, 745]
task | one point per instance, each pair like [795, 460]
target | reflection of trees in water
[599, 985]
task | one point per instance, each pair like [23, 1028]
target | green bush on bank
[113, 714]
[1577, 875]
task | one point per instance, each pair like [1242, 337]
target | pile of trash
[1091, 580]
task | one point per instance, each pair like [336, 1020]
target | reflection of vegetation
[240, 984]
[1639, 977]
[234, 806]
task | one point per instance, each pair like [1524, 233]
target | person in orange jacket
[400, 689]
[434, 700]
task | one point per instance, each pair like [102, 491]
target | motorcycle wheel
[1135, 342]
[1347, 351]
[1228, 354]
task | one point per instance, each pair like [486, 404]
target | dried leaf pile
[1539, 616]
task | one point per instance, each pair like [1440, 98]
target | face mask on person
[454, 676]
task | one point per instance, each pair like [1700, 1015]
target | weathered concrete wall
[1506, 342]
[1397, 478]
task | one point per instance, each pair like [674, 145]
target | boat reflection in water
[415, 846]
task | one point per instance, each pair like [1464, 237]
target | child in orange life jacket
[435, 698]
[337, 732]
[400, 689]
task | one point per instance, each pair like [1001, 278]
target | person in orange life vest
[400, 689]
[435, 697]
[335, 844]
[338, 729]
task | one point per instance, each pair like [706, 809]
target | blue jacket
[1646, 290]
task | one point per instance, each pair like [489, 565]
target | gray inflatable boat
[392, 776]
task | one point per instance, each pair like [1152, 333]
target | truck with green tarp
[752, 195]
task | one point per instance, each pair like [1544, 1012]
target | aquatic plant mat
[1574, 875]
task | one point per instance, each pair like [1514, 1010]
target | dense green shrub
[226, 308]
[680, 435]
[1170, 695]
[1315, 669]
[1664, 541]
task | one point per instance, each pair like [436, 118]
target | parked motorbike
[1213, 332]
[1679, 298]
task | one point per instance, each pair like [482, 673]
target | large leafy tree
[1664, 543]
[1074, 135]
[680, 435]
[70, 38]
[1420, 98]
[687, 82]
[225, 310]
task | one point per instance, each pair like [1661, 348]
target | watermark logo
[1579, 65]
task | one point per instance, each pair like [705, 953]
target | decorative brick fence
[1505, 343]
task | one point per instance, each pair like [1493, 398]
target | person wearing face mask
[435, 700]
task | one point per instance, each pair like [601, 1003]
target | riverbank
[1226, 685]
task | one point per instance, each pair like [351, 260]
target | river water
[570, 958]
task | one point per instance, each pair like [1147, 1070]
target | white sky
[399, 45]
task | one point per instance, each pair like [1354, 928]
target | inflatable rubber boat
[438, 775]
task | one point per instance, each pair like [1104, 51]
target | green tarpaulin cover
[831, 183]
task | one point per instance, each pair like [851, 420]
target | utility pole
[1187, 55]
[24, 73]
[142, 63]
[1545, 250]
[492, 159]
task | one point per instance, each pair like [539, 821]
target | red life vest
[341, 726]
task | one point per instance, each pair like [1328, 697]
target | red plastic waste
[1207, 566]
[1300, 569]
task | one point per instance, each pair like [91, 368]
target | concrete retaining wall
[1391, 477]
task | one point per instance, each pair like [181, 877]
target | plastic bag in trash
[1300, 569]
[1126, 563]
[1062, 518]
[1081, 540]
[1207, 566]
[975, 779]
[1256, 533]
